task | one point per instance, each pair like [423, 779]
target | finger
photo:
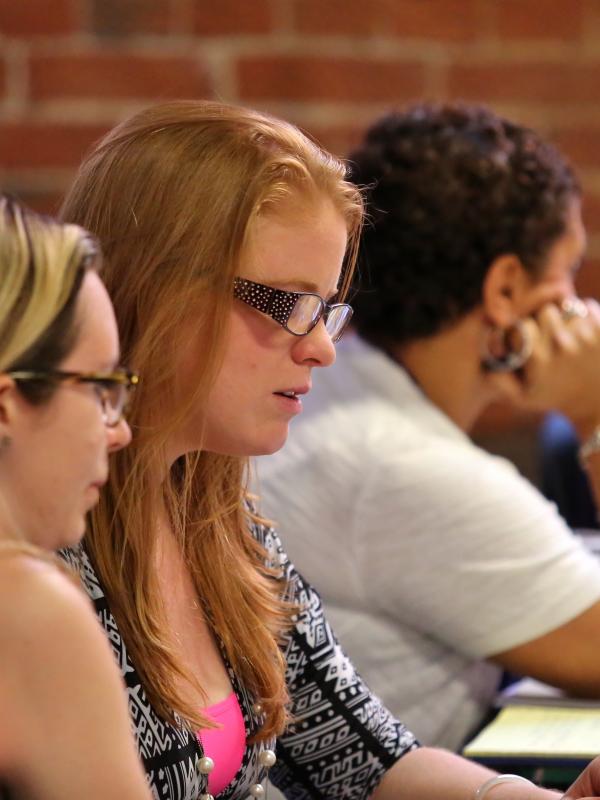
[555, 329]
[572, 307]
[586, 327]
[593, 308]
[540, 343]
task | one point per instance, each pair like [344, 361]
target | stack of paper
[536, 734]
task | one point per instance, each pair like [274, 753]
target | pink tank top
[225, 745]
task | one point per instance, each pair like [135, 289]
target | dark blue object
[562, 479]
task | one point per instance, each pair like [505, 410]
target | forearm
[429, 774]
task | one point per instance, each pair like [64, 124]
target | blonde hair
[41, 267]
[42, 263]
[172, 194]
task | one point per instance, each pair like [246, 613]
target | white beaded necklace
[266, 759]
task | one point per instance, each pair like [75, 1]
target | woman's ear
[504, 288]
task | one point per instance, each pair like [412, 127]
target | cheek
[253, 341]
[238, 374]
[84, 429]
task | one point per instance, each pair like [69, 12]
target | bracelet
[590, 446]
[485, 787]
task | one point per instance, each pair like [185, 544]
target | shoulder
[447, 467]
[470, 512]
[60, 688]
[35, 586]
[41, 607]
[45, 619]
[433, 478]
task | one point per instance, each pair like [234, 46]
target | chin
[246, 446]
[268, 451]
[272, 441]
[265, 447]
[75, 535]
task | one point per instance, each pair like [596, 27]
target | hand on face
[563, 371]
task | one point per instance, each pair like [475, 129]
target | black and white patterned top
[343, 739]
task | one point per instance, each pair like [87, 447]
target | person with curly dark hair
[439, 564]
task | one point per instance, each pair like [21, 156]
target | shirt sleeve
[454, 543]
[342, 739]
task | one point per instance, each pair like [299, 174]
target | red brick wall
[69, 69]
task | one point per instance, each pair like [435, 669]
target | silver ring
[572, 307]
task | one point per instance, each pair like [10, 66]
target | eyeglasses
[113, 388]
[297, 312]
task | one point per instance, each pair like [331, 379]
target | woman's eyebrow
[300, 285]
[110, 365]
[308, 286]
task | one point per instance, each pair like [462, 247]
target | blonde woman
[64, 731]
[229, 242]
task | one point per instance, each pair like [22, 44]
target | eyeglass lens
[337, 321]
[114, 398]
[307, 312]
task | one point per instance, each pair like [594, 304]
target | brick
[24, 18]
[227, 17]
[44, 201]
[116, 75]
[581, 145]
[563, 20]
[530, 82]
[442, 20]
[45, 145]
[118, 18]
[591, 212]
[343, 79]
[338, 139]
[588, 279]
[350, 17]
[446, 20]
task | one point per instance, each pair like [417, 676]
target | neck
[10, 530]
[447, 368]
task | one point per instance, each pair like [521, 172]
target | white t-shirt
[430, 554]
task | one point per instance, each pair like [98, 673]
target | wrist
[487, 789]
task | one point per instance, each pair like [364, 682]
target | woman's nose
[119, 436]
[316, 347]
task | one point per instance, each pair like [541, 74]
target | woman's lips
[290, 401]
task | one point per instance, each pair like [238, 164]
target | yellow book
[538, 734]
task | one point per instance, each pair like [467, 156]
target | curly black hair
[449, 188]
